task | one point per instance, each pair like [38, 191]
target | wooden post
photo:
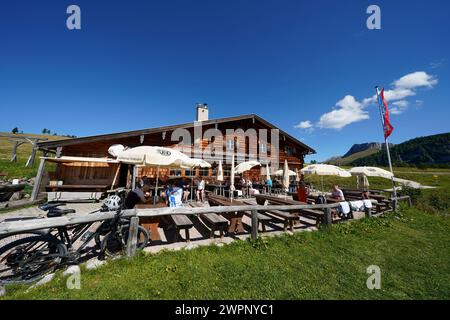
[133, 178]
[132, 237]
[38, 180]
[394, 204]
[254, 224]
[14, 153]
[327, 220]
[59, 152]
[30, 161]
[115, 177]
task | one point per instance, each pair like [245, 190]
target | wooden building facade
[250, 136]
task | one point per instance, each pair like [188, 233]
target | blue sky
[139, 64]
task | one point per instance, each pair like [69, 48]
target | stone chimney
[202, 112]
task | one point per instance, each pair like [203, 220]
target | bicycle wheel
[28, 259]
[143, 237]
[114, 243]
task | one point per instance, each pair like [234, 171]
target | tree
[15, 130]
[44, 131]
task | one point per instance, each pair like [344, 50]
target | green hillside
[355, 156]
[17, 169]
[430, 151]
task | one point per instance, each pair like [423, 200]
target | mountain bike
[27, 257]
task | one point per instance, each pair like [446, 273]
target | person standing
[302, 192]
[269, 185]
[201, 190]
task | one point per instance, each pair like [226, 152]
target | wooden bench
[214, 222]
[262, 219]
[317, 215]
[286, 217]
[182, 222]
[235, 218]
[151, 223]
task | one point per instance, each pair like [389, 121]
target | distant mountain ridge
[355, 152]
[429, 150]
[364, 146]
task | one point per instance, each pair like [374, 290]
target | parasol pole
[156, 186]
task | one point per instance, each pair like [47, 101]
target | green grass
[410, 247]
[17, 169]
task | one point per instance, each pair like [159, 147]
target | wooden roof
[61, 143]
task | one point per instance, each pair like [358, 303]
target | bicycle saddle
[59, 212]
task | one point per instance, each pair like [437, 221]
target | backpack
[321, 200]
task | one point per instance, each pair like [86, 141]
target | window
[230, 144]
[290, 151]
[204, 172]
[263, 147]
[175, 173]
[226, 172]
[189, 173]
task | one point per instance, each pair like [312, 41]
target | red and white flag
[388, 128]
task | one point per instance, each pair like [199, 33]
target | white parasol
[245, 166]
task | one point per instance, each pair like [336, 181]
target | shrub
[414, 194]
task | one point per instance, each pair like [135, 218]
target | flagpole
[387, 148]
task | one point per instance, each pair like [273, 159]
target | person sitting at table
[174, 196]
[365, 195]
[201, 190]
[182, 183]
[138, 195]
[144, 181]
[337, 193]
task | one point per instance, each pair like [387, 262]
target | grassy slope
[18, 170]
[410, 248]
[353, 157]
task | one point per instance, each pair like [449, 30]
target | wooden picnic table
[218, 189]
[151, 223]
[318, 215]
[235, 218]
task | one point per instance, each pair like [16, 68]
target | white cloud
[401, 103]
[415, 80]
[304, 125]
[348, 111]
[399, 107]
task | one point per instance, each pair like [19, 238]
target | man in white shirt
[337, 193]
